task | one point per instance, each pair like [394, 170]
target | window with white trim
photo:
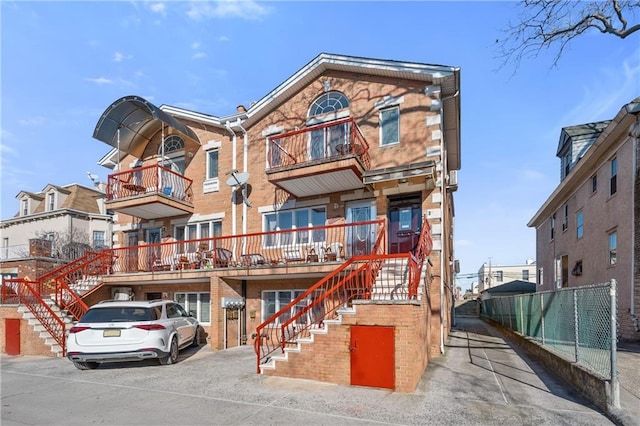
[613, 181]
[565, 217]
[25, 207]
[390, 126]
[197, 304]
[613, 248]
[275, 300]
[552, 223]
[212, 164]
[171, 154]
[99, 239]
[295, 219]
[195, 231]
[579, 225]
[51, 201]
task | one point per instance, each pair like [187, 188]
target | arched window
[328, 102]
[328, 140]
[172, 143]
[173, 153]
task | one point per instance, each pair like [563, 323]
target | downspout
[635, 133]
[245, 160]
[443, 189]
[233, 166]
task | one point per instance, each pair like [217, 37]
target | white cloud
[196, 45]
[199, 55]
[100, 80]
[245, 9]
[32, 121]
[223, 38]
[159, 8]
[119, 57]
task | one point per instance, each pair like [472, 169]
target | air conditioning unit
[122, 293]
[452, 184]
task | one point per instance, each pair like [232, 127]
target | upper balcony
[150, 192]
[330, 157]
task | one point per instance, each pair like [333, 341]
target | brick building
[343, 173]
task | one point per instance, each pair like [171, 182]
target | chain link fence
[578, 323]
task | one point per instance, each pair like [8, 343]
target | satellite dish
[239, 180]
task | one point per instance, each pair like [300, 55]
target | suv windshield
[121, 314]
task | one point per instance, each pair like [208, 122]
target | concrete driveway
[480, 380]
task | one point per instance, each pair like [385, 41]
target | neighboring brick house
[587, 231]
[337, 173]
[52, 227]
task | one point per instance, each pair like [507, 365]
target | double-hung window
[197, 304]
[390, 126]
[613, 182]
[51, 201]
[565, 217]
[25, 207]
[613, 248]
[275, 300]
[302, 220]
[552, 224]
[579, 225]
[195, 231]
[98, 239]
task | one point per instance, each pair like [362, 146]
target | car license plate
[111, 333]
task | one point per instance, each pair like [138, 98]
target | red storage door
[12, 336]
[373, 356]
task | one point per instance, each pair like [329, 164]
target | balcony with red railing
[150, 192]
[330, 157]
[315, 246]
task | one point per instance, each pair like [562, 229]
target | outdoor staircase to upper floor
[40, 330]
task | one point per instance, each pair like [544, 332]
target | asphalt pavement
[481, 380]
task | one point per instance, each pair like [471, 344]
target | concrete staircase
[300, 343]
[392, 280]
[39, 329]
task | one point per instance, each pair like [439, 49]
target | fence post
[615, 385]
[542, 316]
[576, 344]
[521, 298]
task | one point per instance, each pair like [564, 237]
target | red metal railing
[352, 280]
[328, 243]
[149, 180]
[332, 140]
[377, 276]
[19, 290]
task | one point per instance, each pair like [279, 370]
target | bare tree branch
[546, 24]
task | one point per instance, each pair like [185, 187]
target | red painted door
[12, 336]
[373, 356]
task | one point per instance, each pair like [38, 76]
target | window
[197, 304]
[212, 164]
[552, 223]
[566, 164]
[499, 276]
[295, 219]
[51, 201]
[594, 183]
[565, 217]
[525, 275]
[613, 183]
[25, 207]
[577, 268]
[328, 102]
[274, 301]
[562, 271]
[540, 276]
[613, 248]
[98, 239]
[579, 225]
[195, 231]
[390, 126]
[171, 154]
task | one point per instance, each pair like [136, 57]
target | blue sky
[63, 63]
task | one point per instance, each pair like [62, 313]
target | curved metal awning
[139, 121]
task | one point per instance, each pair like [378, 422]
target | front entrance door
[372, 356]
[404, 223]
[360, 238]
[12, 336]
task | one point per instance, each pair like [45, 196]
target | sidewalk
[629, 378]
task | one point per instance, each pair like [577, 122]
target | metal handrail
[28, 295]
[352, 280]
[295, 147]
[149, 180]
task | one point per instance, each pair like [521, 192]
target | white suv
[114, 331]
